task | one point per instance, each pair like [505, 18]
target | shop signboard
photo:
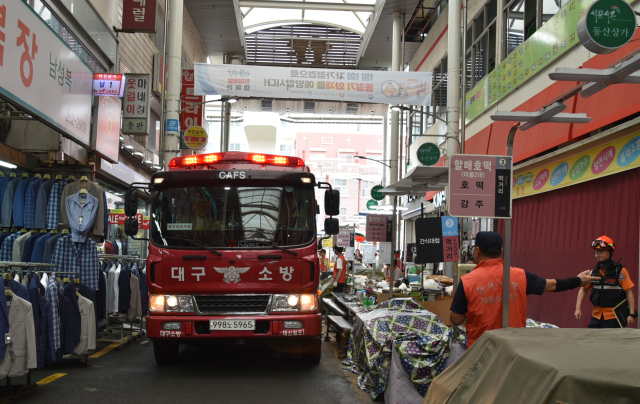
[386, 87]
[606, 159]
[437, 240]
[122, 172]
[136, 114]
[345, 238]
[117, 217]
[376, 194]
[606, 26]
[106, 138]
[41, 75]
[428, 154]
[139, 16]
[192, 107]
[368, 253]
[479, 186]
[195, 138]
[108, 84]
[371, 203]
[549, 43]
[327, 242]
[439, 199]
[379, 228]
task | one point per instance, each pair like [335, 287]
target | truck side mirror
[331, 226]
[131, 226]
[131, 202]
[332, 202]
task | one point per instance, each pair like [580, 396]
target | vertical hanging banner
[379, 228]
[192, 107]
[158, 84]
[139, 16]
[136, 113]
[412, 88]
[41, 75]
[437, 240]
[105, 140]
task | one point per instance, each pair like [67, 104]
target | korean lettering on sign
[436, 240]
[107, 131]
[56, 89]
[107, 84]
[136, 105]
[479, 186]
[378, 228]
[139, 16]
[192, 107]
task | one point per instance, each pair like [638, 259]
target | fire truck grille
[233, 304]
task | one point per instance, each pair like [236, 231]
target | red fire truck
[233, 252]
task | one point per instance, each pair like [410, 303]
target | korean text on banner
[379, 228]
[136, 114]
[41, 74]
[413, 88]
[139, 16]
[437, 240]
[106, 138]
[192, 107]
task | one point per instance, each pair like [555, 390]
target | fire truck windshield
[233, 217]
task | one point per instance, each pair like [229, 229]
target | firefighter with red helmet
[613, 287]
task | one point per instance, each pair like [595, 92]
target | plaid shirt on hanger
[54, 319]
[30, 203]
[6, 251]
[53, 206]
[81, 258]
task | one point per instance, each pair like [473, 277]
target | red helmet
[604, 243]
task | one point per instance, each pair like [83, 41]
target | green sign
[428, 154]
[555, 38]
[606, 26]
[376, 194]
[371, 203]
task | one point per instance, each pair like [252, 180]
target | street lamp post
[377, 161]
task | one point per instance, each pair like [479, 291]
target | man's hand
[335, 284]
[586, 278]
[578, 314]
[630, 320]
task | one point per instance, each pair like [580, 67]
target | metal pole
[393, 248]
[506, 283]
[172, 141]
[463, 124]
[385, 153]
[222, 117]
[227, 120]
[163, 63]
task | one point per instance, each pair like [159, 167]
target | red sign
[108, 84]
[119, 218]
[139, 15]
[106, 141]
[192, 107]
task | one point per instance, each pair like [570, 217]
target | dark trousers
[602, 323]
[339, 288]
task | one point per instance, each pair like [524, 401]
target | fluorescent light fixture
[8, 165]
[139, 154]
[232, 100]
[148, 162]
[156, 167]
[227, 188]
[129, 147]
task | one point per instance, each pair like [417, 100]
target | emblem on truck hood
[231, 274]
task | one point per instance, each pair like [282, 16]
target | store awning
[419, 181]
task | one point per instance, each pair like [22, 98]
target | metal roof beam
[294, 5]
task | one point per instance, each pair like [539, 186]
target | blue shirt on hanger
[81, 258]
[30, 203]
[18, 202]
[40, 216]
[53, 205]
[81, 210]
[7, 201]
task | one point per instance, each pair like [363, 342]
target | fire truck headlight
[285, 303]
[308, 302]
[179, 304]
[156, 303]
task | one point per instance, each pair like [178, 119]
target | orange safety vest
[343, 278]
[483, 289]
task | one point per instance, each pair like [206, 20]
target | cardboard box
[441, 308]
[383, 297]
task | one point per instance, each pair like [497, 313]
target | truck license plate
[232, 325]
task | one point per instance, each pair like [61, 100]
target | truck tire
[166, 352]
[312, 351]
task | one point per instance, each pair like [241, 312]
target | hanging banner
[610, 158]
[139, 16]
[379, 228]
[105, 140]
[117, 217]
[436, 240]
[136, 114]
[192, 107]
[41, 75]
[412, 88]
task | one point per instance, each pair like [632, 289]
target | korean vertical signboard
[136, 105]
[480, 186]
[379, 228]
[437, 240]
[191, 106]
[345, 238]
[40, 74]
[105, 140]
[139, 16]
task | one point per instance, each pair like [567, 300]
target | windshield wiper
[273, 245]
[196, 244]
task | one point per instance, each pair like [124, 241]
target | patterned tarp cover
[422, 343]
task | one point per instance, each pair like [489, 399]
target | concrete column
[227, 121]
[174, 59]
[385, 153]
[395, 118]
[501, 34]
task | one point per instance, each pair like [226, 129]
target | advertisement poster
[610, 158]
[107, 131]
[368, 253]
[412, 88]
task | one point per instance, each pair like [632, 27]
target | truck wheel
[312, 351]
[166, 352]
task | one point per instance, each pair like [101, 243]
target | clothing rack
[6, 264]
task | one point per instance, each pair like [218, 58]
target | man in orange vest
[339, 270]
[478, 297]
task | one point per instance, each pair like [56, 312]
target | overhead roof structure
[419, 181]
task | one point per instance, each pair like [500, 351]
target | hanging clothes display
[3, 185]
[87, 326]
[18, 201]
[30, 202]
[81, 209]
[20, 353]
[7, 201]
[42, 198]
[6, 250]
[27, 250]
[97, 229]
[49, 247]
[38, 248]
[18, 246]
[80, 258]
[53, 205]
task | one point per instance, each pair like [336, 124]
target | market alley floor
[235, 374]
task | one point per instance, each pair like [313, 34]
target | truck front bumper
[197, 327]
